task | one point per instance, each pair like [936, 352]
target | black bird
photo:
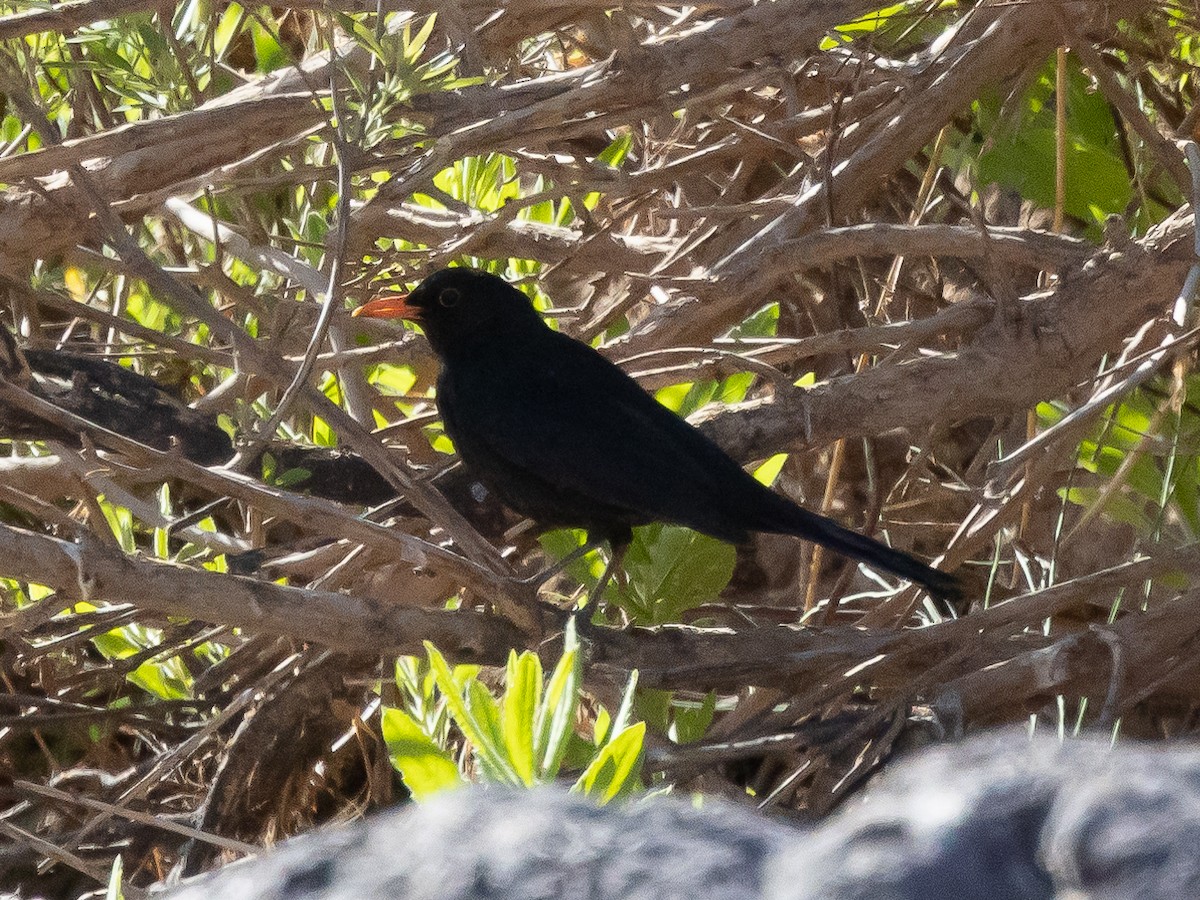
[566, 438]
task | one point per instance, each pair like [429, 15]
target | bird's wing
[562, 413]
[578, 441]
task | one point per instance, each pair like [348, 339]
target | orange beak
[389, 308]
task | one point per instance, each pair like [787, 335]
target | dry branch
[68, 16]
[93, 572]
[1055, 343]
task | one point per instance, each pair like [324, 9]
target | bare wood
[94, 572]
[68, 16]
[1056, 343]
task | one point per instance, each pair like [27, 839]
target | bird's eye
[448, 297]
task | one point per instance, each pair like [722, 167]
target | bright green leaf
[424, 766]
[556, 718]
[616, 770]
[522, 697]
[481, 734]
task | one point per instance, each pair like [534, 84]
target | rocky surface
[996, 817]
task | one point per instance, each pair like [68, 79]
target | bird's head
[458, 308]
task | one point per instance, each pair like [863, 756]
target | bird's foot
[585, 627]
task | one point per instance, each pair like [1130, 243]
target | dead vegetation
[194, 627]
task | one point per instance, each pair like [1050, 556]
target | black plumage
[565, 437]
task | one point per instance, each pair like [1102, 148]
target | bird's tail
[785, 517]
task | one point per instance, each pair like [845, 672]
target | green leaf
[485, 712]
[293, 477]
[625, 711]
[561, 542]
[364, 35]
[1118, 507]
[614, 154]
[691, 720]
[167, 679]
[1097, 181]
[424, 766]
[1186, 495]
[654, 706]
[769, 470]
[115, 876]
[414, 46]
[602, 727]
[480, 734]
[392, 379]
[762, 324]
[1020, 154]
[672, 569]
[556, 717]
[322, 434]
[543, 213]
[120, 520]
[519, 707]
[616, 770]
[673, 395]
[269, 55]
[116, 644]
[735, 388]
[699, 395]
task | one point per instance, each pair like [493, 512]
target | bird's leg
[616, 556]
[543, 575]
[617, 548]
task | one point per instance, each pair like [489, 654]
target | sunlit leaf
[424, 766]
[556, 717]
[616, 770]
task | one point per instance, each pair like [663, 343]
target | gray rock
[996, 817]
